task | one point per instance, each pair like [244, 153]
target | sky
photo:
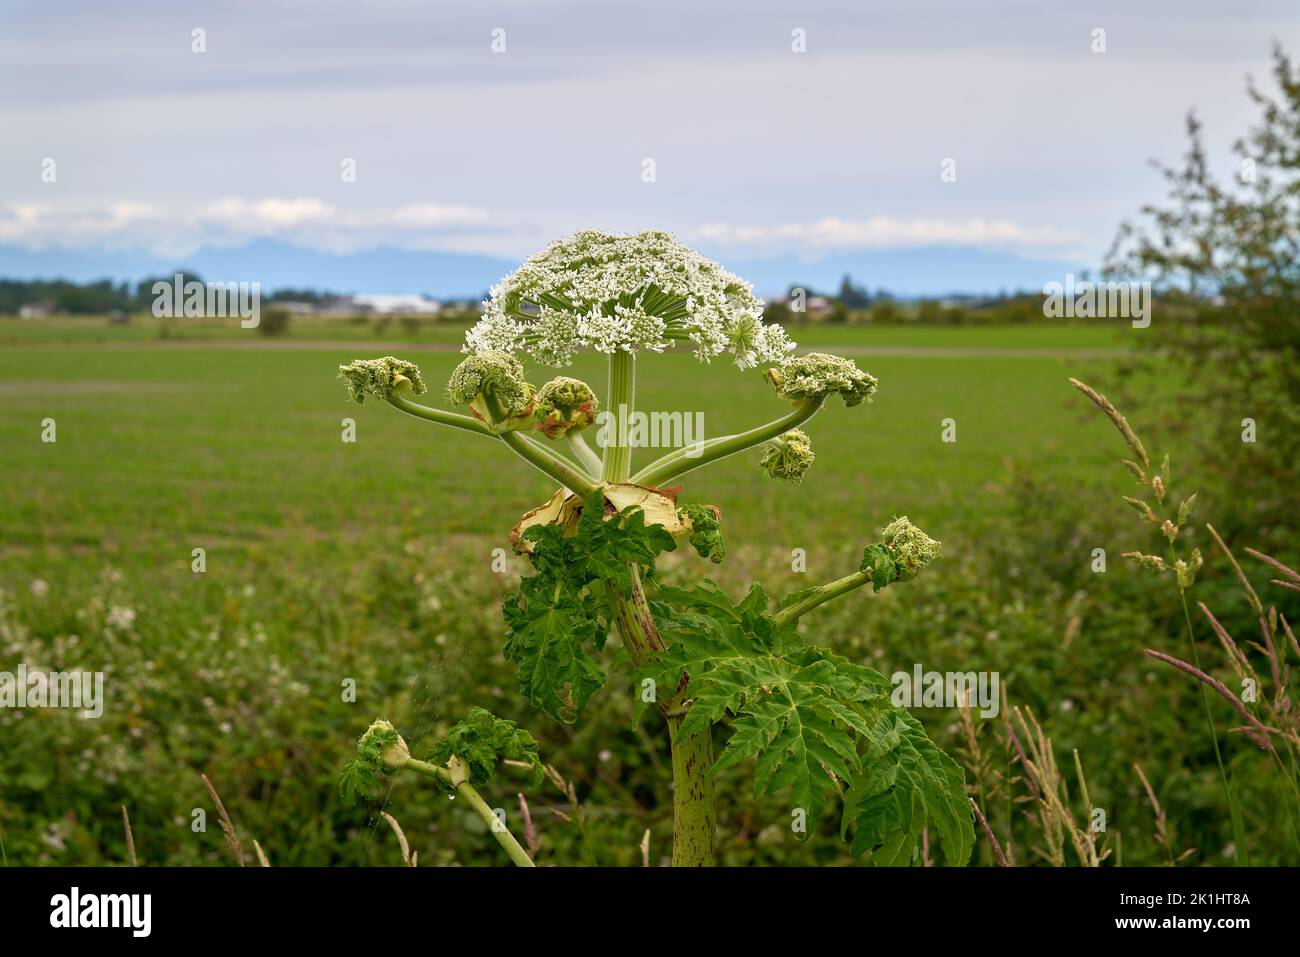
[492, 127]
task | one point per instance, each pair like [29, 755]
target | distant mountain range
[923, 271]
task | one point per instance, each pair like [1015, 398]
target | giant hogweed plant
[716, 669]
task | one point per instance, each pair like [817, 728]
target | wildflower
[380, 378]
[818, 375]
[120, 617]
[40, 587]
[634, 293]
[564, 405]
[492, 385]
[788, 456]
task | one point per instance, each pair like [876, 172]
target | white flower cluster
[638, 293]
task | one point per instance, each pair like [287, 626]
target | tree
[1224, 259]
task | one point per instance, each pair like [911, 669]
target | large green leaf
[905, 784]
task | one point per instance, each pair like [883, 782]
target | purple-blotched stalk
[694, 806]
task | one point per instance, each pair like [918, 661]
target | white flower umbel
[637, 293]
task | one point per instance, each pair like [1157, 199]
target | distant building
[336, 306]
[377, 304]
[295, 308]
[36, 310]
[813, 307]
[394, 304]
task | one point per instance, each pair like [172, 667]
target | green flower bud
[381, 753]
[380, 378]
[817, 375]
[564, 405]
[913, 549]
[788, 456]
[382, 744]
[706, 530]
[903, 551]
[492, 385]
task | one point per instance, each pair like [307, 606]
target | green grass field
[160, 443]
[371, 560]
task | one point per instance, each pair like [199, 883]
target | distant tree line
[105, 296]
[854, 303]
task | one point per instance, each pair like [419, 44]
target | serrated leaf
[811, 721]
[905, 784]
[482, 740]
[561, 610]
[884, 568]
[546, 645]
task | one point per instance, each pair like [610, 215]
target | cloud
[312, 223]
[426, 215]
[832, 234]
[232, 221]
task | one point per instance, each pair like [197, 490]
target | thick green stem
[534, 453]
[584, 453]
[822, 594]
[621, 399]
[442, 417]
[475, 800]
[543, 459]
[694, 806]
[694, 803]
[679, 462]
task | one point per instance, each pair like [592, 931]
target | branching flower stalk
[816, 723]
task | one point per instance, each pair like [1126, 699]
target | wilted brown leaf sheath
[1257, 732]
[1114, 415]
